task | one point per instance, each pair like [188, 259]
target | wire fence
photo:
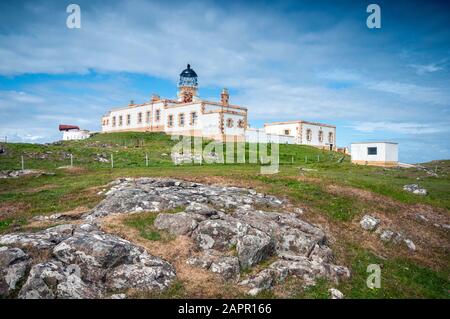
[125, 160]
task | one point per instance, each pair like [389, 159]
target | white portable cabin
[375, 153]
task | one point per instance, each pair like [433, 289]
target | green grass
[400, 278]
[25, 197]
[143, 222]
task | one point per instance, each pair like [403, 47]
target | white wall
[315, 135]
[75, 135]
[279, 129]
[386, 152]
[253, 135]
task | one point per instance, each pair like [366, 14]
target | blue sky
[311, 60]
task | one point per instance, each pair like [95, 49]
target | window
[230, 123]
[330, 137]
[120, 120]
[181, 119]
[193, 118]
[371, 151]
[287, 132]
[128, 119]
[147, 119]
[157, 115]
[113, 121]
[170, 121]
[241, 123]
[308, 135]
[320, 136]
[139, 117]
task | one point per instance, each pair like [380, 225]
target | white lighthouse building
[187, 115]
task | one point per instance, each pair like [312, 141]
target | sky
[310, 60]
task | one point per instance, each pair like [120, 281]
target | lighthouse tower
[188, 85]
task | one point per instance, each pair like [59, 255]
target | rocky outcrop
[14, 263]
[415, 189]
[20, 173]
[233, 229]
[81, 262]
[369, 222]
[229, 233]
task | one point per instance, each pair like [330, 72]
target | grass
[143, 222]
[402, 277]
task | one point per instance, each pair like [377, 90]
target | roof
[299, 121]
[188, 72]
[385, 142]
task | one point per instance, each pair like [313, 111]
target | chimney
[224, 97]
[155, 97]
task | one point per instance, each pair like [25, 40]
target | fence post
[146, 159]
[71, 160]
[292, 159]
[318, 158]
[23, 163]
[306, 159]
[112, 160]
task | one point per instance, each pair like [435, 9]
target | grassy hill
[333, 192]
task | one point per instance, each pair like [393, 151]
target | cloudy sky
[311, 60]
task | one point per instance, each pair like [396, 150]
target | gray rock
[253, 248]
[335, 294]
[51, 280]
[369, 222]
[41, 240]
[153, 274]
[176, 224]
[14, 264]
[386, 235]
[415, 189]
[410, 244]
[85, 263]
[226, 266]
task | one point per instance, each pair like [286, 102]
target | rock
[14, 264]
[226, 266]
[176, 224]
[410, 244]
[421, 218]
[118, 296]
[20, 173]
[263, 280]
[415, 189]
[335, 294]
[149, 275]
[229, 233]
[41, 240]
[51, 280]
[218, 234]
[309, 269]
[253, 248]
[369, 222]
[386, 235]
[85, 263]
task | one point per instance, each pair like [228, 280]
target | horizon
[290, 61]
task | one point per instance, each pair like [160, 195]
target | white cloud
[422, 69]
[403, 128]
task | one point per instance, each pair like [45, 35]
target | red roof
[64, 127]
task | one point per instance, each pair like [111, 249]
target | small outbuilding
[73, 132]
[375, 153]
